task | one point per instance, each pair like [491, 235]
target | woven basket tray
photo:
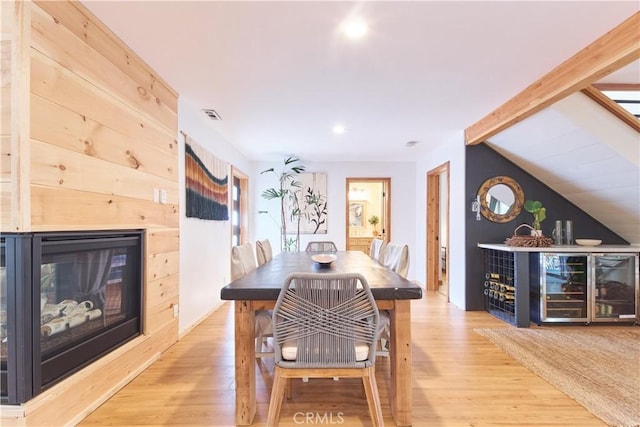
[528, 240]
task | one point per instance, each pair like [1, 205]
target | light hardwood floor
[459, 379]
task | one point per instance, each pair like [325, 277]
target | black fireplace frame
[27, 374]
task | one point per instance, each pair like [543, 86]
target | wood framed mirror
[501, 199]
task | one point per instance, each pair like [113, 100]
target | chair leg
[288, 392]
[373, 398]
[277, 393]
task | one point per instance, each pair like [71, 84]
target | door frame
[433, 198]
[244, 204]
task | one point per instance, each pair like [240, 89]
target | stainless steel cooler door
[615, 287]
[565, 290]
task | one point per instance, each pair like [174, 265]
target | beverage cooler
[615, 287]
[586, 287]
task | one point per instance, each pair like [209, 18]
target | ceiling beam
[612, 107]
[610, 52]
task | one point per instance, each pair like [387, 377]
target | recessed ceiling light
[338, 129]
[355, 29]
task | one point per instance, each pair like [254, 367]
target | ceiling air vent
[212, 114]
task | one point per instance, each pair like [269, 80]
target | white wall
[451, 151]
[403, 202]
[205, 246]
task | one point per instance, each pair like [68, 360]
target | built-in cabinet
[360, 244]
[569, 284]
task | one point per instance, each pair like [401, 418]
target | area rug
[597, 366]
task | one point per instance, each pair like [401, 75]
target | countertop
[563, 248]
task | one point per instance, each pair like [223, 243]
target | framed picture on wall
[357, 213]
[311, 200]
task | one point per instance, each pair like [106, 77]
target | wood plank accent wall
[91, 132]
[14, 196]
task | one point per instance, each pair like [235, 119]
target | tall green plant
[287, 191]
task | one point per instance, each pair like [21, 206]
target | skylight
[627, 99]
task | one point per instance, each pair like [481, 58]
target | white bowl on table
[324, 258]
[588, 242]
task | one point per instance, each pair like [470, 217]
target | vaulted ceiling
[585, 153]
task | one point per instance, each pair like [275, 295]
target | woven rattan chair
[321, 247]
[243, 262]
[264, 252]
[325, 326]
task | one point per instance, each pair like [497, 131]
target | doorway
[239, 210]
[368, 212]
[438, 229]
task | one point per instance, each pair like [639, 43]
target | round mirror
[501, 199]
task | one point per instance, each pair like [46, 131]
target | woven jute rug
[598, 366]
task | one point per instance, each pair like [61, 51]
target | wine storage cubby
[502, 297]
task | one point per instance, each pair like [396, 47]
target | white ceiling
[280, 74]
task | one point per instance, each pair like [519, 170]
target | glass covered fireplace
[66, 299]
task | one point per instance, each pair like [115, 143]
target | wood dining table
[259, 290]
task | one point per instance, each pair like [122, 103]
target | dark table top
[265, 282]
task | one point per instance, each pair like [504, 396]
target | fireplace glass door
[68, 299]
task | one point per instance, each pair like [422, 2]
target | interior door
[437, 245]
[368, 213]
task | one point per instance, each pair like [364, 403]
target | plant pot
[375, 233]
[536, 233]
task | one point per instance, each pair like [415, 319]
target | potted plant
[374, 220]
[286, 191]
[539, 214]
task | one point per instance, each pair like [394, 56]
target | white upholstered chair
[377, 248]
[325, 326]
[396, 258]
[243, 261]
[264, 252]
